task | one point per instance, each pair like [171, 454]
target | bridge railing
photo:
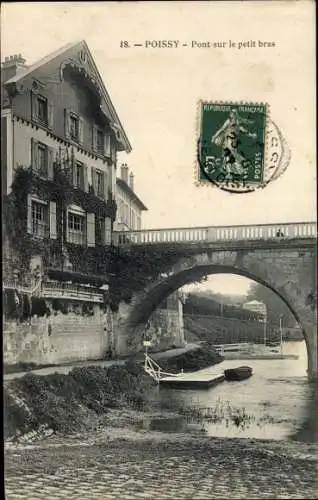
[217, 233]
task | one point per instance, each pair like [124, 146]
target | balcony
[57, 290]
[70, 291]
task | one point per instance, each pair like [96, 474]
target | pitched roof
[83, 45]
[23, 73]
[124, 186]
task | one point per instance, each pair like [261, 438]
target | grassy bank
[189, 361]
[73, 402]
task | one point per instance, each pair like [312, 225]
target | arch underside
[142, 311]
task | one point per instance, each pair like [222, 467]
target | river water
[272, 404]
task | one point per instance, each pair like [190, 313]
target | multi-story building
[60, 135]
[59, 126]
[129, 206]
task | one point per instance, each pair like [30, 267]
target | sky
[156, 91]
[222, 283]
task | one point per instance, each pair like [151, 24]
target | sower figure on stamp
[227, 138]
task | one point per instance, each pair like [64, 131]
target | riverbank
[63, 401]
[19, 370]
[71, 402]
[119, 462]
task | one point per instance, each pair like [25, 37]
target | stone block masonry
[59, 338]
[65, 338]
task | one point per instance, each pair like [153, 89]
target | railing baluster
[214, 234]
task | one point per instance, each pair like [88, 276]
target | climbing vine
[62, 192]
[131, 271]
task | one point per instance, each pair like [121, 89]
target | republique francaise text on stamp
[239, 148]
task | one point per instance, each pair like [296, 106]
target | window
[99, 183]
[100, 141]
[99, 230]
[74, 127]
[78, 179]
[39, 219]
[76, 228]
[41, 161]
[42, 109]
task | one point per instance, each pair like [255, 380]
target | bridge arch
[162, 288]
[142, 312]
[157, 294]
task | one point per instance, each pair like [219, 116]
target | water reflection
[277, 402]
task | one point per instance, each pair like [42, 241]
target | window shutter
[34, 155]
[67, 123]
[108, 231]
[34, 103]
[107, 145]
[29, 215]
[94, 184]
[52, 215]
[113, 180]
[67, 236]
[50, 115]
[90, 220]
[113, 153]
[95, 132]
[73, 174]
[50, 159]
[85, 177]
[81, 130]
[105, 179]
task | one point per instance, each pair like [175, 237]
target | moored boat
[239, 373]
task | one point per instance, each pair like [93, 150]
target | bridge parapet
[299, 230]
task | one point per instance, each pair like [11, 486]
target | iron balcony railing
[53, 289]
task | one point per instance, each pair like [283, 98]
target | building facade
[60, 135]
[129, 206]
[59, 125]
[256, 306]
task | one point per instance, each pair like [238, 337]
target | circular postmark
[239, 149]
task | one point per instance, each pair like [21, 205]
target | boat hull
[240, 373]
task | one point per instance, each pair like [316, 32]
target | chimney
[11, 66]
[131, 181]
[124, 172]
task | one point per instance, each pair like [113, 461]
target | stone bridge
[283, 257]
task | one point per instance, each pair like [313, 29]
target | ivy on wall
[128, 271]
[132, 271]
[61, 191]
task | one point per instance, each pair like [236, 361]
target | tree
[276, 307]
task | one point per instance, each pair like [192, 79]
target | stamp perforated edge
[200, 103]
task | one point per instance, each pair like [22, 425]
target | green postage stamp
[239, 147]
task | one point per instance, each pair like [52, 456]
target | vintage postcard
[159, 255]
